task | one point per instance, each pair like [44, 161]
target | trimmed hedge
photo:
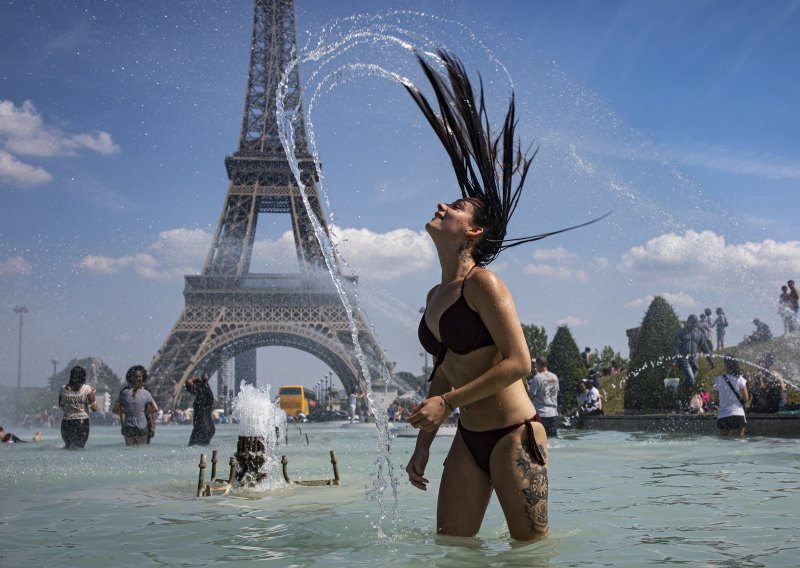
[564, 359]
[651, 360]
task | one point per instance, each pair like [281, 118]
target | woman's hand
[416, 468]
[430, 414]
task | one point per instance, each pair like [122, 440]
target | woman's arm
[150, 410]
[91, 399]
[419, 459]
[490, 297]
[190, 384]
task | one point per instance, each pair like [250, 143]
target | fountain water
[640, 500]
[262, 424]
[593, 172]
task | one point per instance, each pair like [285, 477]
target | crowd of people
[135, 410]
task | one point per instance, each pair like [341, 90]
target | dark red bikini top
[461, 328]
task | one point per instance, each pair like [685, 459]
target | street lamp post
[55, 365]
[21, 310]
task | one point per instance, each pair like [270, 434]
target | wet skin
[486, 384]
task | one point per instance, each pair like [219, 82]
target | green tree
[607, 355]
[651, 359]
[536, 338]
[564, 359]
[406, 381]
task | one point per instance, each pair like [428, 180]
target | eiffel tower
[230, 311]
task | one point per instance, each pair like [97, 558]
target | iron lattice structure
[229, 310]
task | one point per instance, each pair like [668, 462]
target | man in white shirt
[589, 401]
[543, 390]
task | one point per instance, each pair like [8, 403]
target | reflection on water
[616, 499]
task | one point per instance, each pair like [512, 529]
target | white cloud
[572, 321]
[16, 172]
[559, 253]
[601, 263]
[385, 256]
[378, 256]
[556, 272]
[182, 246]
[23, 132]
[678, 300]
[695, 258]
[142, 264]
[15, 265]
[275, 256]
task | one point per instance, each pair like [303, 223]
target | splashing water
[588, 161]
[260, 418]
[337, 39]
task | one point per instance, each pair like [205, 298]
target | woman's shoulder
[431, 292]
[484, 289]
[486, 281]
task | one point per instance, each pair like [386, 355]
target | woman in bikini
[470, 326]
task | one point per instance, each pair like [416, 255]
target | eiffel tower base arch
[256, 315]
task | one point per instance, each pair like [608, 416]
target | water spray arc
[230, 310]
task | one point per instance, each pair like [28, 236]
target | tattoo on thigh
[536, 493]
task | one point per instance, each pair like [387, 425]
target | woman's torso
[74, 403]
[203, 398]
[134, 404]
[729, 404]
[509, 406]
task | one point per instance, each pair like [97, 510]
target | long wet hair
[77, 378]
[490, 169]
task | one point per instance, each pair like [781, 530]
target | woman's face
[453, 220]
[138, 379]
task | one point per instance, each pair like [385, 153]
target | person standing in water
[76, 398]
[352, 403]
[202, 406]
[732, 395]
[471, 327]
[136, 408]
[543, 389]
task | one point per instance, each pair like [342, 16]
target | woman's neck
[456, 270]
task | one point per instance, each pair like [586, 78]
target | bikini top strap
[474, 266]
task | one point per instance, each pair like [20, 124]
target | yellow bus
[293, 400]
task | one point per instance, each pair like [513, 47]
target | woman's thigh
[463, 494]
[521, 483]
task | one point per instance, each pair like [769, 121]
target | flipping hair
[489, 168]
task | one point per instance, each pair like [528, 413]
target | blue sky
[115, 118]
